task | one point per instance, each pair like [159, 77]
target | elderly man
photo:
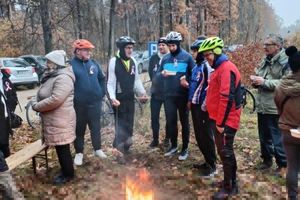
[268, 74]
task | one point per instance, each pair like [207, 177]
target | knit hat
[294, 58]
[58, 57]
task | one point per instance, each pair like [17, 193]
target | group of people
[204, 82]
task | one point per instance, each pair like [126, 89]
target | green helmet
[211, 44]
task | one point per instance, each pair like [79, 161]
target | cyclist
[224, 107]
[88, 95]
[157, 96]
[122, 84]
[197, 93]
[176, 69]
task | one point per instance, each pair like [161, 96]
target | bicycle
[33, 118]
[248, 101]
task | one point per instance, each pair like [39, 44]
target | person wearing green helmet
[223, 104]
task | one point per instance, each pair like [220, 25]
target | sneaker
[78, 159]
[266, 164]
[61, 179]
[208, 172]
[172, 151]
[153, 144]
[183, 155]
[100, 154]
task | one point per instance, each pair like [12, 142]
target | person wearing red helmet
[122, 84]
[89, 90]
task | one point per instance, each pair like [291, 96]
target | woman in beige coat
[55, 104]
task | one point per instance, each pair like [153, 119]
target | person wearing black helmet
[157, 96]
[197, 95]
[176, 69]
[122, 84]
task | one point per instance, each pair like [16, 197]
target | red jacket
[220, 98]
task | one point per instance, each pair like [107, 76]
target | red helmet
[83, 44]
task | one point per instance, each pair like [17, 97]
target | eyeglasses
[128, 47]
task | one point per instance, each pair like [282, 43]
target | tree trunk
[79, 19]
[170, 16]
[111, 27]
[161, 18]
[46, 24]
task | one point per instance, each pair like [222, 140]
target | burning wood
[140, 187]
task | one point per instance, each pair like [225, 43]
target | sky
[288, 10]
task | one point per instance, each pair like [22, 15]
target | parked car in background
[20, 71]
[38, 62]
[142, 58]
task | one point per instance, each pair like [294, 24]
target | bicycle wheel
[107, 113]
[32, 117]
[249, 102]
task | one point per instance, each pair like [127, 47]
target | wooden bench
[33, 151]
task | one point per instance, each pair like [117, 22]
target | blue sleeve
[191, 64]
[101, 78]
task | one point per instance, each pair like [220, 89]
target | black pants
[292, 149]
[224, 142]
[65, 160]
[4, 137]
[155, 106]
[172, 105]
[204, 135]
[124, 118]
[88, 115]
[270, 139]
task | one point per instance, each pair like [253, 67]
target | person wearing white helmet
[176, 70]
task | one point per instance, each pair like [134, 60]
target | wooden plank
[25, 154]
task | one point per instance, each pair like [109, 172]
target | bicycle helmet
[83, 44]
[173, 36]
[162, 40]
[123, 41]
[213, 43]
[197, 43]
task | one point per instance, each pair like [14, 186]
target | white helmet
[173, 36]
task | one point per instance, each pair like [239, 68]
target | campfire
[139, 187]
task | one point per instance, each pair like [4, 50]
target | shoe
[266, 164]
[208, 172]
[153, 144]
[224, 193]
[172, 151]
[167, 142]
[100, 154]
[78, 159]
[61, 179]
[200, 166]
[183, 155]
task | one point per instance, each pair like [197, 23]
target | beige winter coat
[55, 103]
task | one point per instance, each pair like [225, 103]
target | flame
[140, 187]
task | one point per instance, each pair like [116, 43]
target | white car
[20, 71]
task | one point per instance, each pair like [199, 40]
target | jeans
[155, 106]
[204, 135]
[88, 115]
[270, 139]
[292, 149]
[172, 105]
[124, 118]
[224, 142]
[65, 160]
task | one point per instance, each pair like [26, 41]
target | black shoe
[153, 144]
[208, 171]
[224, 193]
[61, 179]
[266, 164]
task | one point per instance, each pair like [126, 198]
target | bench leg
[34, 164]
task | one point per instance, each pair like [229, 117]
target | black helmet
[123, 41]
[197, 43]
[162, 40]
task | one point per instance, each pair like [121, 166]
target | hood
[68, 71]
[290, 84]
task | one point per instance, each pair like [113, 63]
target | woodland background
[39, 26]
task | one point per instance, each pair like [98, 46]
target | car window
[41, 60]
[15, 63]
[30, 60]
